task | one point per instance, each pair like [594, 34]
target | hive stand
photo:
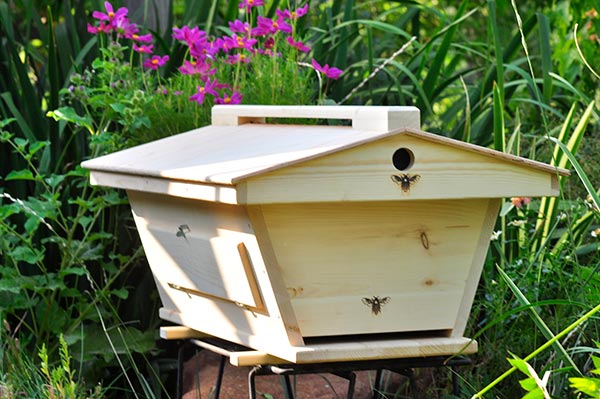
[264, 364]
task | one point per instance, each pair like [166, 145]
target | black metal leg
[289, 391]
[377, 384]
[455, 387]
[180, 352]
[220, 377]
[252, 382]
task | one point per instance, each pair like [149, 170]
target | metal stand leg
[252, 381]
[351, 377]
[377, 384]
[220, 376]
[182, 348]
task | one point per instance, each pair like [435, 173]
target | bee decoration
[405, 181]
[376, 303]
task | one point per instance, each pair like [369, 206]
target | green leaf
[9, 285]
[24, 174]
[121, 293]
[26, 254]
[69, 114]
[589, 386]
[119, 107]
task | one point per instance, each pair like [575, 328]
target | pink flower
[189, 36]
[266, 26]
[111, 16]
[94, 30]
[208, 88]
[238, 26]
[330, 72]
[293, 14]
[155, 62]
[248, 4]
[299, 45]
[236, 58]
[143, 49]
[141, 38]
[520, 201]
[196, 68]
[235, 98]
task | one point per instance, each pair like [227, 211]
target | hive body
[274, 236]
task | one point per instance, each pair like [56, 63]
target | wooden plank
[204, 192]
[385, 349]
[373, 118]
[476, 268]
[367, 173]
[334, 255]
[194, 247]
[278, 298]
[180, 332]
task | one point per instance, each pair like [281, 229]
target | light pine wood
[365, 174]
[195, 247]
[476, 268]
[417, 253]
[267, 235]
[365, 349]
[180, 332]
[381, 119]
[227, 155]
[174, 188]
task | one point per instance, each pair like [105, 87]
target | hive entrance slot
[403, 159]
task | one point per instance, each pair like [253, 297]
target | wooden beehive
[271, 235]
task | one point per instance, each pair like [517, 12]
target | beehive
[274, 236]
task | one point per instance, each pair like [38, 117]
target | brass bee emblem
[405, 181]
[376, 303]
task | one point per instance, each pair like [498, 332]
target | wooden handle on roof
[372, 118]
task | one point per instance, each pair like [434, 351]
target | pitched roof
[229, 154]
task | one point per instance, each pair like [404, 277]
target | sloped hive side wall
[209, 271]
[356, 268]
[367, 173]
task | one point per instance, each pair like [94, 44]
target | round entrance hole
[403, 159]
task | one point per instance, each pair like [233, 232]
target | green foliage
[587, 384]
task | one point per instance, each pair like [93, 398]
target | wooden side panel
[483, 244]
[209, 269]
[355, 268]
[367, 173]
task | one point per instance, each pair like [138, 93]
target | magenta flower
[236, 41]
[237, 58]
[293, 14]
[189, 36]
[110, 15]
[235, 98]
[141, 38]
[238, 26]
[201, 50]
[330, 72]
[155, 62]
[266, 26]
[143, 49]
[299, 45]
[248, 4]
[125, 28]
[208, 88]
[94, 30]
[197, 68]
